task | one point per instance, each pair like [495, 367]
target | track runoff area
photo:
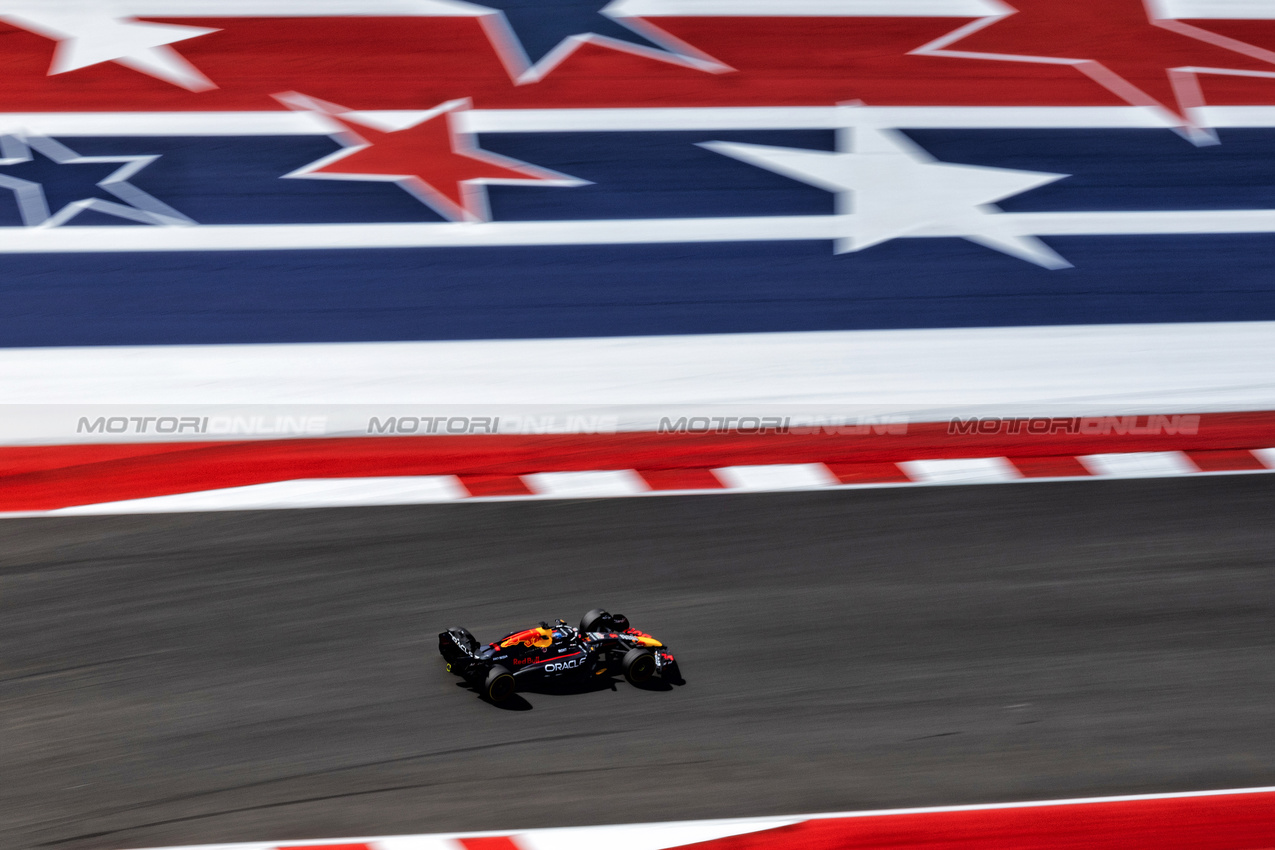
[273, 676]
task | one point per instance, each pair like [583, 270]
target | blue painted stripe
[236, 180]
[1113, 170]
[486, 293]
[420, 294]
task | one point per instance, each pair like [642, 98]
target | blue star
[533, 36]
[53, 184]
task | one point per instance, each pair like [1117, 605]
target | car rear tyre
[592, 622]
[500, 684]
[639, 666]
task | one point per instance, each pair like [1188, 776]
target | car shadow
[513, 703]
[588, 686]
[584, 686]
[658, 685]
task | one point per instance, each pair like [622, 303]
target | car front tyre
[639, 666]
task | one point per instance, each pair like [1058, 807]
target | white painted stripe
[649, 120]
[287, 8]
[404, 842]
[1215, 9]
[304, 493]
[1132, 223]
[788, 476]
[583, 485]
[653, 8]
[969, 470]
[1139, 464]
[784, 117]
[626, 120]
[452, 234]
[809, 8]
[593, 836]
[647, 837]
[1266, 456]
[1259, 9]
[290, 123]
[665, 231]
[293, 123]
[928, 375]
[983, 117]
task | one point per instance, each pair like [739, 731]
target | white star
[889, 187]
[33, 205]
[89, 34]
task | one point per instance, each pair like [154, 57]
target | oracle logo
[559, 666]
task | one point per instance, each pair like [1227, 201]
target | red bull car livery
[604, 644]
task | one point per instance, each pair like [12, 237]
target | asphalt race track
[229, 677]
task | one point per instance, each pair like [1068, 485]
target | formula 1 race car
[604, 643]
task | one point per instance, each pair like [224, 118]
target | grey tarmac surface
[198, 678]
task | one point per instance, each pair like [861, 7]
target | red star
[433, 159]
[1142, 59]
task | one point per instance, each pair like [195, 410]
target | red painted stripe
[868, 473]
[491, 842]
[680, 479]
[1049, 467]
[1236, 460]
[1228, 822]
[777, 62]
[494, 485]
[17, 460]
[45, 478]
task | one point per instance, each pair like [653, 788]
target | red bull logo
[531, 638]
[641, 638]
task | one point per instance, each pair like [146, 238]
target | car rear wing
[459, 648]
